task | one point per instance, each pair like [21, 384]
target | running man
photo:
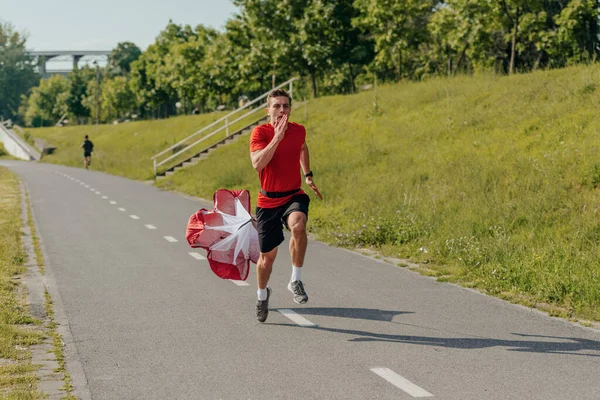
[278, 151]
[87, 147]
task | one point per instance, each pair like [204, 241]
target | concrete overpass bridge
[43, 57]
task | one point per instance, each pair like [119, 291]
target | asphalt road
[148, 320]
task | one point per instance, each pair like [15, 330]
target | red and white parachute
[227, 233]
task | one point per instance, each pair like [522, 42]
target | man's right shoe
[262, 307]
[297, 288]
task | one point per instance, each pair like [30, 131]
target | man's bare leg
[297, 223]
[264, 266]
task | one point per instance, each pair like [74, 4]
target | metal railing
[228, 122]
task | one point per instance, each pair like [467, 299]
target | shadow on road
[553, 344]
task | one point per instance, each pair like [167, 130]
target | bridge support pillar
[42, 65]
[76, 58]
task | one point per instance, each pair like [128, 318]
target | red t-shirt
[282, 173]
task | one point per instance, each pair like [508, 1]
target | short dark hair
[86, 136]
[278, 93]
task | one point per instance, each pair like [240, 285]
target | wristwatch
[309, 174]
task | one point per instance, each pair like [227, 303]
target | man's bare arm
[305, 164]
[260, 158]
[305, 159]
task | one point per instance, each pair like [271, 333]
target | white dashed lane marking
[239, 283]
[197, 256]
[297, 318]
[401, 382]
[170, 239]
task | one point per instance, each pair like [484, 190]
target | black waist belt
[278, 195]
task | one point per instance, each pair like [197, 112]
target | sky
[102, 24]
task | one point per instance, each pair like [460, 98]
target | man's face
[278, 107]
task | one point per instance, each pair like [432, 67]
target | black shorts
[270, 221]
[87, 154]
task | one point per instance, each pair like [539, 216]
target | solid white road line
[150, 226]
[134, 216]
[170, 239]
[113, 202]
[401, 382]
[121, 209]
[239, 283]
[298, 319]
[197, 256]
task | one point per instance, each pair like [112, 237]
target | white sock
[296, 274]
[262, 294]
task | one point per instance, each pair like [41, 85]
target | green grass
[126, 149]
[17, 375]
[491, 182]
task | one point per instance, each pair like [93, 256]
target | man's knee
[266, 260]
[297, 223]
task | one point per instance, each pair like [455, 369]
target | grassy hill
[124, 149]
[488, 181]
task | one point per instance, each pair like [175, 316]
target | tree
[398, 28]
[150, 75]
[218, 72]
[269, 26]
[515, 12]
[48, 101]
[17, 75]
[576, 37]
[93, 100]
[185, 66]
[117, 98]
[121, 57]
[79, 80]
[317, 35]
[302, 37]
[465, 36]
[355, 50]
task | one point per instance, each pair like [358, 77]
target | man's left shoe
[297, 288]
[262, 307]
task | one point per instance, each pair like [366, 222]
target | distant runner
[278, 151]
[88, 147]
